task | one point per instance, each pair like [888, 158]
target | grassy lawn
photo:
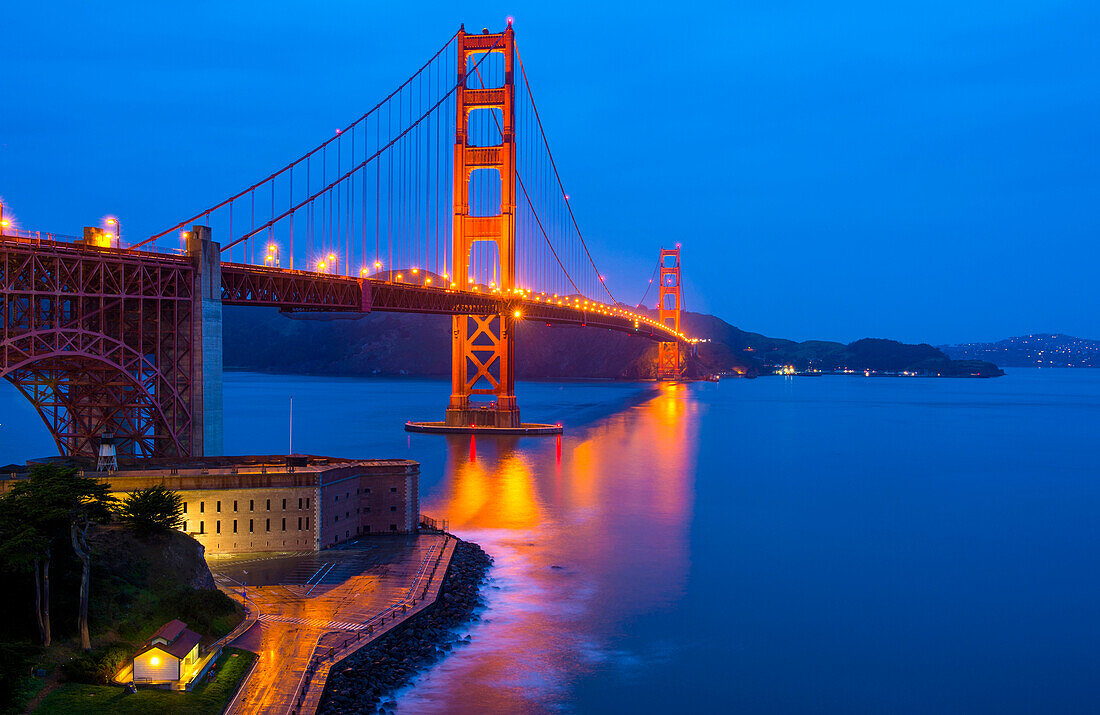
[208, 697]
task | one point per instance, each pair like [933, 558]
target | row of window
[347, 514]
[347, 495]
[251, 525]
[251, 505]
[365, 530]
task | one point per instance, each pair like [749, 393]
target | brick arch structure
[99, 340]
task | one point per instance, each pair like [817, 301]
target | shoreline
[369, 678]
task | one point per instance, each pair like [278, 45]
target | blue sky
[923, 171]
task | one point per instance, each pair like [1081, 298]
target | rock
[394, 660]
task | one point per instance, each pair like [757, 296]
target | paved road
[303, 597]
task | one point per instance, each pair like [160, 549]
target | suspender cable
[561, 186]
[271, 177]
[359, 166]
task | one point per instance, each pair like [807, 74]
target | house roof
[170, 630]
[180, 639]
[183, 645]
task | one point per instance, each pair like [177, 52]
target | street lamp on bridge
[272, 257]
[113, 221]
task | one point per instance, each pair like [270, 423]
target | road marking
[342, 625]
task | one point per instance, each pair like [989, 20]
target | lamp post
[272, 257]
[112, 221]
[3, 224]
[334, 262]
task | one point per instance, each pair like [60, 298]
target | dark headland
[413, 344]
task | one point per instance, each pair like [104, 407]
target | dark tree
[25, 547]
[152, 509]
[51, 504]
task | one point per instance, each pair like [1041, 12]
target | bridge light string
[327, 223]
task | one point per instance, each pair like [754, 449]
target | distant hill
[412, 344]
[1039, 350]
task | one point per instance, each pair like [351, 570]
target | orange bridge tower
[482, 348]
[669, 366]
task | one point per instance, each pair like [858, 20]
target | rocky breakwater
[366, 680]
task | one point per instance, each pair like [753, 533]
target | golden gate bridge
[443, 198]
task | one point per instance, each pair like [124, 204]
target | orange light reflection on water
[588, 534]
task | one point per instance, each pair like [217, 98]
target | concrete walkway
[334, 647]
[305, 607]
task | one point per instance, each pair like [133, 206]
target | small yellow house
[169, 657]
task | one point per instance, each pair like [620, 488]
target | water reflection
[588, 532]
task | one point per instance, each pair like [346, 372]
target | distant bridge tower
[482, 352]
[669, 366]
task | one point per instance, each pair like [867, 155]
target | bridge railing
[38, 236]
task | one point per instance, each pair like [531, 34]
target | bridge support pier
[206, 344]
[482, 353]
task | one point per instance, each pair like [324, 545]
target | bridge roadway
[244, 284]
[34, 265]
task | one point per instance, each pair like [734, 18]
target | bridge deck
[244, 284]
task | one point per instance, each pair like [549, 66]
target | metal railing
[409, 600]
[433, 524]
[37, 236]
